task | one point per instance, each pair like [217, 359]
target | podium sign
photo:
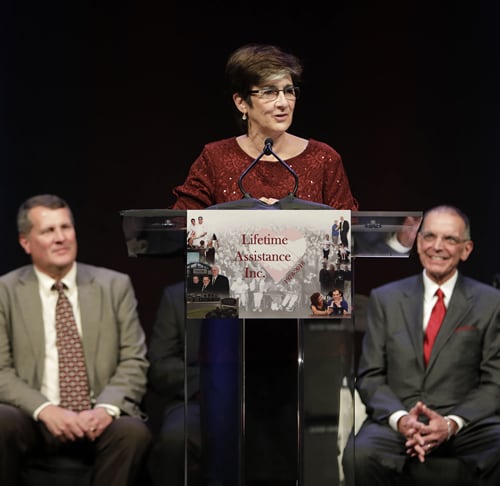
[272, 261]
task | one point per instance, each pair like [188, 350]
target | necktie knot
[440, 294]
[59, 286]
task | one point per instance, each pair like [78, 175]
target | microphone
[268, 143]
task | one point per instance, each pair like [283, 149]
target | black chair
[438, 471]
[64, 470]
[57, 470]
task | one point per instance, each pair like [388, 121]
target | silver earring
[244, 116]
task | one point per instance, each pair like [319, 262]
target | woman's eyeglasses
[271, 94]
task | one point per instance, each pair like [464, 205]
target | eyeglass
[448, 240]
[271, 94]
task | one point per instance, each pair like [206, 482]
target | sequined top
[213, 177]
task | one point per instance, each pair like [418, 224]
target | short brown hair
[50, 201]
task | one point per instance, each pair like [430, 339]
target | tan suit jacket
[113, 339]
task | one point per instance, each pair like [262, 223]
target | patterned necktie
[432, 329]
[73, 381]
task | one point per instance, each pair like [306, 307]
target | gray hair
[445, 208]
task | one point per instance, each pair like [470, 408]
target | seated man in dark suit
[37, 409]
[425, 400]
[166, 380]
[212, 372]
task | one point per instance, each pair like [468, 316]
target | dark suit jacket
[463, 375]
[113, 339]
[221, 286]
[344, 230]
[166, 347]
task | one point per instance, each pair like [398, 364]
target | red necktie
[73, 381]
[432, 329]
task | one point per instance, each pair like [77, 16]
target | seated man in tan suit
[37, 411]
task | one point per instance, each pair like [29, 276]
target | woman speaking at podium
[264, 84]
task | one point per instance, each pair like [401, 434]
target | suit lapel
[32, 316]
[413, 311]
[90, 301]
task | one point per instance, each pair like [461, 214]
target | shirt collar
[431, 287]
[46, 283]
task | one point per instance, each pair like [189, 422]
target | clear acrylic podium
[275, 400]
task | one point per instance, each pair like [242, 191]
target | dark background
[108, 104]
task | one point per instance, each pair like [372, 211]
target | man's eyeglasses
[448, 240]
[271, 94]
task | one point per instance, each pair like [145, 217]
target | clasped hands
[421, 438]
[69, 426]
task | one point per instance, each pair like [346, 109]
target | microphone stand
[268, 143]
[265, 151]
[286, 166]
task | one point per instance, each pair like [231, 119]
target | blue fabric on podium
[220, 397]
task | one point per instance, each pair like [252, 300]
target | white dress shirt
[48, 296]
